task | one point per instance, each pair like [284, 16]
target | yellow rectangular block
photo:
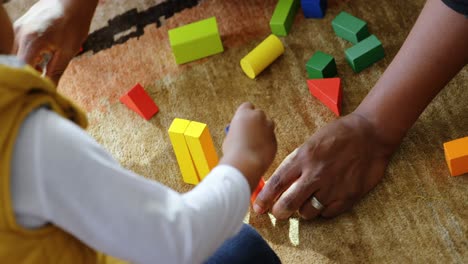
[201, 148]
[456, 155]
[181, 150]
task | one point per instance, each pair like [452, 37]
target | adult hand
[250, 145]
[54, 29]
[338, 165]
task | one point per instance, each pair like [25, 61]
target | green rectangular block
[283, 17]
[365, 53]
[195, 41]
[350, 27]
[321, 65]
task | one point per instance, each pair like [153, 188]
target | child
[64, 198]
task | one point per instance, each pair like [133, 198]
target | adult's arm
[343, 161]
[55, 27]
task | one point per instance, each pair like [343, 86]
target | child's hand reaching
[250, 145]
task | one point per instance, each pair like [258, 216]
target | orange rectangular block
[456, 155]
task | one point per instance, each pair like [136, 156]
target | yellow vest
[21, 91]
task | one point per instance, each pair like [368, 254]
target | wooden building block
[283, 17]
[350, 27]
[181, 150]
[365, 53]
[201, 148]
[321, 65]
[259, 188]
[456, 155]
[262, 56]
[140, 102]
[328, 91]
[196, 40]
[314, 8]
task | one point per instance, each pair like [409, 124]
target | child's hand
[250, 145]
[55, 27]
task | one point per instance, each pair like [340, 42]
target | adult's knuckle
[277, 184]
[287, 203]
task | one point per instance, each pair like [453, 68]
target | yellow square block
[456, 155]
[181, 150]
[201, 148]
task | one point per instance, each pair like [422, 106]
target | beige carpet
[418, 214]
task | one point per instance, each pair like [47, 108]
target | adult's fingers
[294, 197]
[308, 211]
[58, 64]
[30, 49]
[336, 208]
[287, 172]
[246, 105]
[271, 123]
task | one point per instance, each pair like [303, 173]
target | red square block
[140, 102]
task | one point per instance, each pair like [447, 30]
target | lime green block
[283, 17]
[195, 41]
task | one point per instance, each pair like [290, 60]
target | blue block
[226, 130]
[314, 8]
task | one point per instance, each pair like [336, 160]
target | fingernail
[257, 209]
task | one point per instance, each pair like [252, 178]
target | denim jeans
[247, 247]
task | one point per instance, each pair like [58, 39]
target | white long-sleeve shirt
[60, 175]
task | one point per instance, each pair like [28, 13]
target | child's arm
[343, 161]
[60, 175]
[58, 27]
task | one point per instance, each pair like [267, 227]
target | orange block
[456, 155]
[140, 102]
[259, 188]
[328, 91]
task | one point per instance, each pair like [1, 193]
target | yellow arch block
[262, 56]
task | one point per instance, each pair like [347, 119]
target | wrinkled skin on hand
[338, 165]
[53, 29]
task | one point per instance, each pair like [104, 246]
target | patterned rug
[417, 214]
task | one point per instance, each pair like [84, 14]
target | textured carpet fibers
[417, 214]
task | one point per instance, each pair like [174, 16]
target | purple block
[314, 8]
